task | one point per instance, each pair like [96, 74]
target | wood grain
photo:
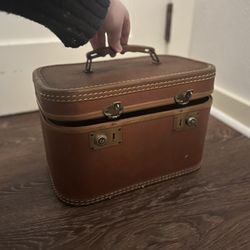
[209, 209]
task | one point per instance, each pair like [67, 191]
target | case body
[92, 158]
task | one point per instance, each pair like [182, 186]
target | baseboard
[18, 60]
[232, 110]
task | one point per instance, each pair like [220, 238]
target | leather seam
[132, 80]
[121, 191]
[94, 96]
[139, 86]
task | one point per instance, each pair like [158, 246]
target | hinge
[169, 22]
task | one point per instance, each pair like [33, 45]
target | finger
[114, 39]
[99, 40]
[125, 30]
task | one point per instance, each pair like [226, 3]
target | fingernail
[119, 49]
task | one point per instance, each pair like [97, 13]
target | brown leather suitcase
[128, 124]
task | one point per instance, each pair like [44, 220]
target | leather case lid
[66, 92]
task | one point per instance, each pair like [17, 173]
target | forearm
[74, 22]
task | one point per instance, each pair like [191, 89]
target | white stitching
[123, 190]
[156, 86]
[127, 88]
[120, 93]
[133, 80]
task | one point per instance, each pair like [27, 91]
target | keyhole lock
[192, 121]
[186, 121]
[105, 138]
[101, 140]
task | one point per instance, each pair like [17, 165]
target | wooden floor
[209, 209]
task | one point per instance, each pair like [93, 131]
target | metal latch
[113, 111]
[105, 138]
[186, 121]
[184, 98]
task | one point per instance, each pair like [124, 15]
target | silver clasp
[113, 111]
[184, 97]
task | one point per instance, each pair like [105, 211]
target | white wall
[221, 35]
[216, 31]
[25, 45]
[181, 31]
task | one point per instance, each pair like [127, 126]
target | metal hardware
[192, 121]
[113, 111]
[184, 97]
[105, 138]
[88, 66]
[154, 57]
[101, 140]
[186, 121]
[102, 52]
[169, 15]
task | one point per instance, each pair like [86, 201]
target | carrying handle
[102, 52]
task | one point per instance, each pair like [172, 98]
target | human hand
[116, 25]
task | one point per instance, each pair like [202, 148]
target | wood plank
[209, 209]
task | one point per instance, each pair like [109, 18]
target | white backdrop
[221, 35]
[25, 45]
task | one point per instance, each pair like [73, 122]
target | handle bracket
[102, 52]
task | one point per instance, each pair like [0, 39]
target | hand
[116, 25]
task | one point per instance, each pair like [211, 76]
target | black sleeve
[75, 22]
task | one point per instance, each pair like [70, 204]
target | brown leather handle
[102, 52]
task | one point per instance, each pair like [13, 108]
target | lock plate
[186, 121]
[105, 138]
